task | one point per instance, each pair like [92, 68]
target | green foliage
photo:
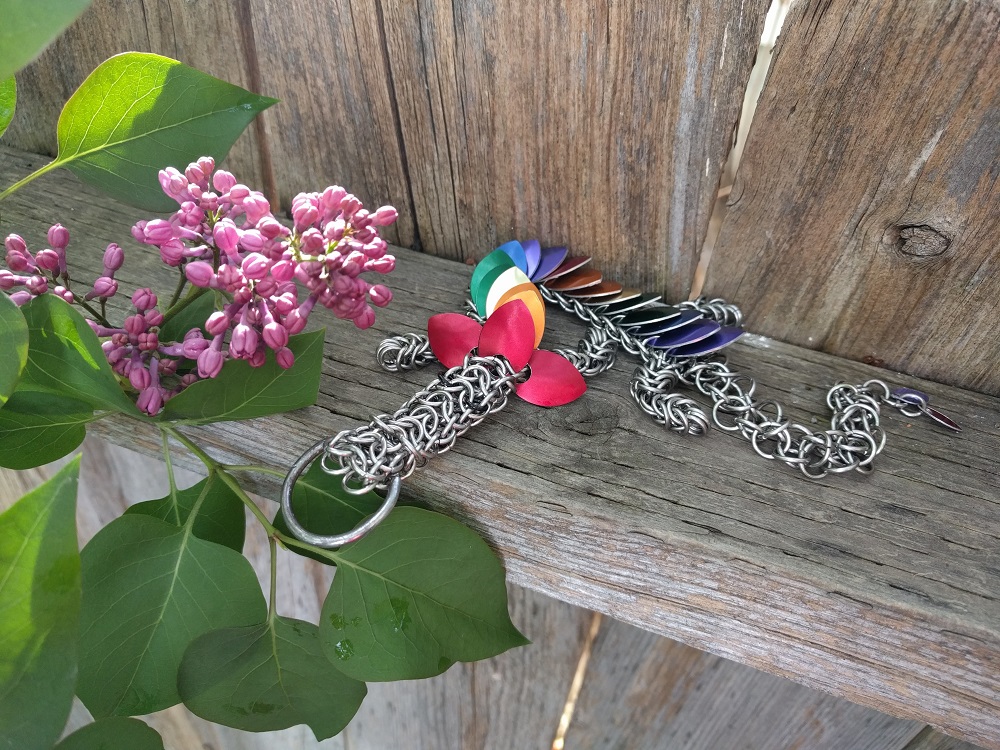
[39, 606]
[29, 26]
[244, 392]
[13, 332]
[113, 734]
[321, 505]
[266, 677]
[417, 594]
[8, 100]
[221, 517]
[65, 357]
[36, 428]
[192, 315]
[138, 112]
[149, 589]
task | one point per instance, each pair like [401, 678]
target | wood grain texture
[214, 37]
[644, 692]
[603, 126]
[931, 739]
[865, 216]
[881, 589]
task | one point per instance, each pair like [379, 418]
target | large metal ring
[331, 541]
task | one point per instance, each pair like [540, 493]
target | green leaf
[244, 392]
[39, 607]
[267, 677]
[113, 734]
[221, 516]
[36, 428]
[323, 506]
[65, 357]
[138, 113]
[13, 331]
[417, 594]
[192, 315]
[29, 26]
[8, 100]
[149, 589]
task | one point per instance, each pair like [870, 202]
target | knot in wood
[918, 240]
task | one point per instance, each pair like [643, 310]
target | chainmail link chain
[426, 425]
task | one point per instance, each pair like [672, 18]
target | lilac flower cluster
[46, 270]
[225, 238]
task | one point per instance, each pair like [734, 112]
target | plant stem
[253, 469]
[220, 469]
[177, 292]
[24, 181]
[175, 306]
[170, 472]
[272, 610]
[86, 306]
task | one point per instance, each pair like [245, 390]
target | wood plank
[880, 589]
[213, 37]
[600, 125]
[865, 215]
[644, 692]
[930, 739]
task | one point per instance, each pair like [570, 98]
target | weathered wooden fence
[864, 222]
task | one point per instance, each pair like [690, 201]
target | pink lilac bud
[194, 346]
[134, 325]
[58, 236]
[37, 285]
[168, 366]
[47, 260]
[258, 358]
[217, 323]
[242, 296]
[207, 164]
[157, 231]
[285, 303]
[63, 293]
[223, 181]
[172, 252]
[285, 358]
[271, 228]
[332, 197]
[143, 299]
[275, 335]
[375, 249]
[305, 215]
[139, 377]
[15, 244]
[244, 341]
[384, 216]
[238, 193]
[312, 241]
[210, 361]
[360, 218]
[194, 174]
[148, 342]
[282, 271]
[104, 286]
[226, 236]
[349, 206]
[334, 231]
[8, 280]
[20, 297]
[252, 241]
[266, 287]
[153, 318]
[200, 273]
[230, 278]
[365, 319]
[296, 320]
[380, 295]
[255, 266]
[114, 257]
[189, 379]
[150, 400]
[256, 207]
[382, 265]
[173, 182]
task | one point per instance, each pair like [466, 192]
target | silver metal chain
[393, 446]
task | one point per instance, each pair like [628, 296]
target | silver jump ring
[331, 541]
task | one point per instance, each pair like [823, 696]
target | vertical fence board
[866, 211]
[604, 126]
[643, 691]
[212, 37]
[336, 122]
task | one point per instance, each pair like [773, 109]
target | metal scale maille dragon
[492, 352]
